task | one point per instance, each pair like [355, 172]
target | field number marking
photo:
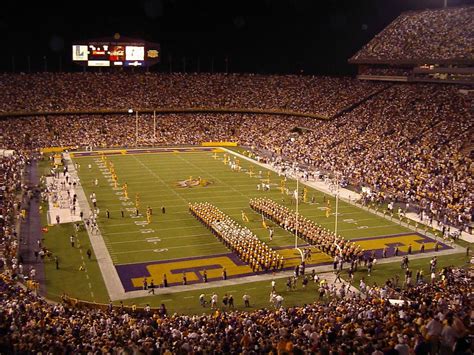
[147, 231]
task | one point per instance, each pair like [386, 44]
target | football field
[172, 242]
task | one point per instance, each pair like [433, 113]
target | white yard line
[224, 197]
[161, 237]
[138, 231]
[159, 178]
[177, 247]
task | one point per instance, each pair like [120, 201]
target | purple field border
[127, 272]
[391, 246]
[142, 151]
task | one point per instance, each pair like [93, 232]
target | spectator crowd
[422, 319]
[434, 34]
[407, 143]
[56, 92]
[14, 195]
[402, 143]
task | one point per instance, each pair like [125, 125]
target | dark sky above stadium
[266, 36]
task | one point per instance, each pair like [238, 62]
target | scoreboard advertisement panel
[79, 53]
[134, 53]
[98, 63]
[116, 53]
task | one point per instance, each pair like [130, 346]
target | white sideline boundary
[109, 273]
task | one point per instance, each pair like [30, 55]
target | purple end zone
[131, 271]
[128, 272]
[391, 246]
[145, 150]
[169, 149]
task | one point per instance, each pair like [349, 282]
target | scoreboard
[114, 53]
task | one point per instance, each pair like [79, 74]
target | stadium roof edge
[165, 110]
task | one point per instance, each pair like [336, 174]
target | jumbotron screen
[116, 53]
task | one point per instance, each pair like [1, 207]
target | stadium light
[130, 110]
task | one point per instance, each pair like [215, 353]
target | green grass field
[154, 178]
[176, 234]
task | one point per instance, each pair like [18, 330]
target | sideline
[109, 273]
[324, 271]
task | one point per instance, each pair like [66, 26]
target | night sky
[260, 36]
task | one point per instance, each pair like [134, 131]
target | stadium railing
[166, 110]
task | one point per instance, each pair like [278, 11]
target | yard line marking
[216, 196]
[167, 300]
[159, 178]
[355, 220]
[366, 227]
[163, 238]
[188, 297]
[167, 221]
[180, 246]
[138, 231]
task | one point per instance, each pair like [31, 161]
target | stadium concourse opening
[371, 179]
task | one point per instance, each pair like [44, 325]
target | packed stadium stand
[427, 45]
[435, 317]
[408, 142]
[405, 142]
[59, 92]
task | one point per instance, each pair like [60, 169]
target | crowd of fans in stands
[44, 92]
[440, 34]
[432, 317]
[405, 142]
[11, 198]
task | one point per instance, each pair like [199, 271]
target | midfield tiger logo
[194, 182]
